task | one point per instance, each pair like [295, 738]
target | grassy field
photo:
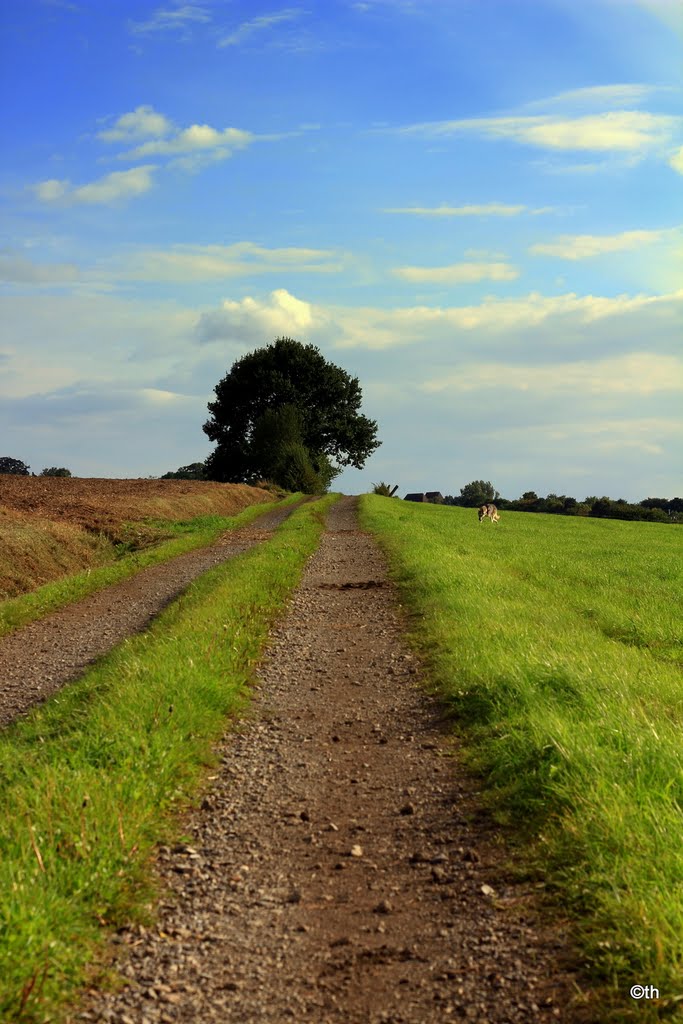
[93, 779]
[558, 643]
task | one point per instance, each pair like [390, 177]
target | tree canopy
[478, 492]
[56, 471]
[653, 510]
[285, 414]
[195, 471]
[14, 466]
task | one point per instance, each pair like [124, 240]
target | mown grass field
[558, 643]
[94, 778]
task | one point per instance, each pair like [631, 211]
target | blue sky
[475, 206]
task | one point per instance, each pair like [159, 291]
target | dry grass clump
[35, 550]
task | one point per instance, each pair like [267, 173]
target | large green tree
[286, 405]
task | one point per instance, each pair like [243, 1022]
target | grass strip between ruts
[90, 780]
[557, 643]
[192, 533]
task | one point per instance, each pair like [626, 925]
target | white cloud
[616, 95]
[208, 262]
[172, 19]
[142, 123]
[197, 140]
[639, 373]
[109, 189]
[676, 160]
[625, 130]
[372, 328]
[249, 320]
[158, 396]
[472, 210]
[51, 190]
[18, 270]
[260, 24]
[646, 434]
[458, 273]
[581, 247]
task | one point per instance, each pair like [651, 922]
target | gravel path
[337, 871]
[38, 659]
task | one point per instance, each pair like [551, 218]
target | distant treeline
[653, 510]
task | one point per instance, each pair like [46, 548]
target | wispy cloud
[625, 94]
[111, 188]
[624, 130]
[639, 373]
[260, 24]
[142, 123]
[471, 210]
[172, 19]
[213, 262]
[676, 160]
[494, 320]
[581, 247]
[643, 433]
[382, 329]
[16, 269]
[458, 273]
[197, 140]
[191, 148]
[64, 5]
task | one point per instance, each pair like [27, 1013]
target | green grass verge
[186, 536]
[90, 780]
[557, 642]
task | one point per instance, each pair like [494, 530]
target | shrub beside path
[338, 870]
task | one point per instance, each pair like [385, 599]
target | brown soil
[38, 659]
[103, 504]
[338, 870]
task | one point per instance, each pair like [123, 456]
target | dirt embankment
[53, 526]
[338, 871]
[38, 659]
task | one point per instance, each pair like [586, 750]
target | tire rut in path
[39, 658]
[332, 876]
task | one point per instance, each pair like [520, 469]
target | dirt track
[38, 659]
[338, 870]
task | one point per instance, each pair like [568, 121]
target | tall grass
[179, 538]
[91, 780]
[558, 644]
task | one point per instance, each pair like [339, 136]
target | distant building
[435, 497]
[415, 497]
